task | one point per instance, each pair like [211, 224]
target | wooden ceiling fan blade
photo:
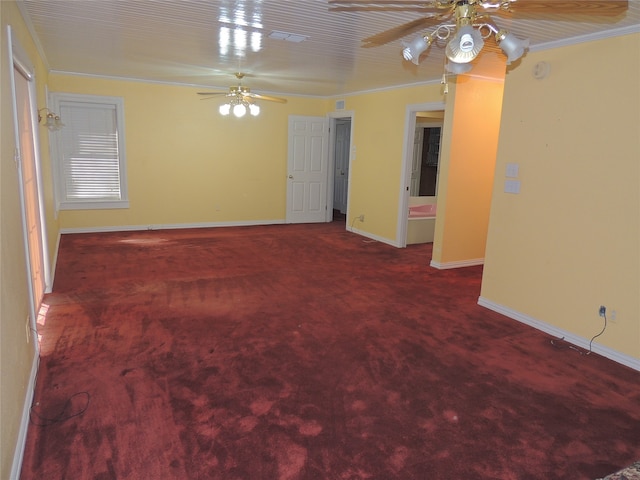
[431, 7]
[269, 98]
[402, 30]
[209, 98]
[240, 93]
[383, 8]
[431, 4]
[546, 8]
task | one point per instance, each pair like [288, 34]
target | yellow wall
[17, 350]
[186, 164]
[376, 170]
[470, 141]
[569, 242]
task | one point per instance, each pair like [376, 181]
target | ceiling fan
[465, 24]
[240, 99]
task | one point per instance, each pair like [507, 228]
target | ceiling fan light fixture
[457, 68]
[415, 48]
[512, 46]
[240, 100]
[465, 45]
[239, 110]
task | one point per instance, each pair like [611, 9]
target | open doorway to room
[340, 164]
[420, 166]
[423, 192]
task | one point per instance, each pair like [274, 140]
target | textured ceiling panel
[205, 42]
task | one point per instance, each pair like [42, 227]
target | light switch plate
[512, 186]
[512, 170]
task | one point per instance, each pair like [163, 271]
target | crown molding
[586, 38]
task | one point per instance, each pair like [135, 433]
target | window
[88, 152]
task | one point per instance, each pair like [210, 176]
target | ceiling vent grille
[289, 37]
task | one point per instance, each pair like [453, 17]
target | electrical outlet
[361, 217]
[602, 311]
[613, 316]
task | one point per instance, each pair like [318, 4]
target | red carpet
[306, 352]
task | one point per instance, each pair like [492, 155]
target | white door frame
[333, 118]
[407, 157]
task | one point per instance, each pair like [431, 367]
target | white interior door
[23, 91]
[341, 170]
[307, 169]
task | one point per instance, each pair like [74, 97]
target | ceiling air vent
[289, 37]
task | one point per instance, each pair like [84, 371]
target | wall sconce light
[51, 120]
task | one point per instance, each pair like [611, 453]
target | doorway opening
[418, 118]
[340, 162]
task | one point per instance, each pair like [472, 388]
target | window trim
[55, 142]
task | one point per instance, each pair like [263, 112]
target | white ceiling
[204, 43]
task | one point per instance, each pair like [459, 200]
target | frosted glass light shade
[254, 109]
[51, 121]
[239, 110]
[224, 109]
[465, 45]
[512, 46]
[413, 50]
[457, 68]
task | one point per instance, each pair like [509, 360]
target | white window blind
[90, 153]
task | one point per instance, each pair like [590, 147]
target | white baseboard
[457, 264]
[611, 354]
[373, 237]
[18, 455]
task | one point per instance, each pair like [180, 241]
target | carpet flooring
[305, 352]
